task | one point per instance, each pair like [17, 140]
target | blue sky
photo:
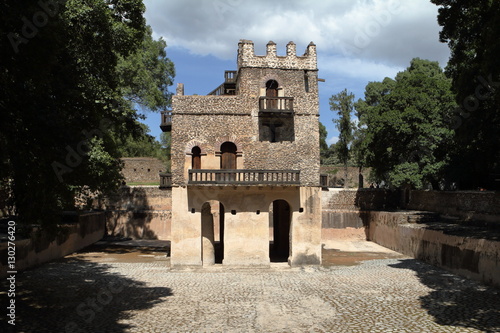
[358, 41]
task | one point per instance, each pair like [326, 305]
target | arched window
[196, 158]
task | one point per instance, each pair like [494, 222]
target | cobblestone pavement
[120, 290]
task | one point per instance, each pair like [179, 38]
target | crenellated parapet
[247, 57]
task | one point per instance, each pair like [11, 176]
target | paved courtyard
[130, 289]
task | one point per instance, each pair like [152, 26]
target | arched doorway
[212, 233]
[196, 158]
[280, 220]
[272, 94]
[228, 156]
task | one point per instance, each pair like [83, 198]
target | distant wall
[139, 212]
[31, 252]
[142, 169]
[342, 209]
[484, 206]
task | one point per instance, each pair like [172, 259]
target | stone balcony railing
[165, 180]
[166, 121]
[275, 105]
[244, 177]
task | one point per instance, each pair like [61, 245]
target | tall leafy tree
[407, 137]
[62, 99]
[471, 30]
[343, 103]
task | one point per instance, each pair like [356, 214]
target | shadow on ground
[456, 301]
[75, 295]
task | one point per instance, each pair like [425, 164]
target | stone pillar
[291, 49]
[311, 50]
[207, 233]
[186, 230]
[245, 52]
[180, 89]
[246, 238]
[271, 49]
[306, 229]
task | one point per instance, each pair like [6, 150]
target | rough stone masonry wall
[247, 57]
[142, 169]
[469, 205]
[473, 257]
[209, 121]
[342, 211]
[31, 252]
[139, 212]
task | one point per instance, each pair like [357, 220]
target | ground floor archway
[212, 233]
[280, 220]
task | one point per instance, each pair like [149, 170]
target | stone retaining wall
[473, 257]
[139, 212]
[484, 206]
[341, 211]
[142, 169]
[31, 252]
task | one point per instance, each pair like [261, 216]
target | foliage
[62, 104]
[343, 103]
[405, 132]
[471, 30]
[146, 74]
[327, 153]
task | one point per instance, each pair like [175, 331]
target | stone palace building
[245, 164]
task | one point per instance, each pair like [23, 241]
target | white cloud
[332, 140]
[376, 32]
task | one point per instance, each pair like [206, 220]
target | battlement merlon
[247, 57]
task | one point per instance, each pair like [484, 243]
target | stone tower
[245, 164]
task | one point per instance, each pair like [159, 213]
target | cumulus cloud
[362, 35]
[332, 140]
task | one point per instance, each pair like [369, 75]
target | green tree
[146, 74]
[407, 138]
[62, 99]
[143, 145]
[323, 146]
[471, 30]
[343, 103]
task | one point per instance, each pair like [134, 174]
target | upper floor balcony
[165, 180]
[229, 85]
[166, 121]
[275, 105]
[244, 177]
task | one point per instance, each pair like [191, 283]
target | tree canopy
[343, 103]
[471, 30]
[68, 92]
[405, 125]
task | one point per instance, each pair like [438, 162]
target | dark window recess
[233, 212]
[276, 129]
[193, 210]
[196, 158]
[258, 212]
[306, 82]
[301, 210]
